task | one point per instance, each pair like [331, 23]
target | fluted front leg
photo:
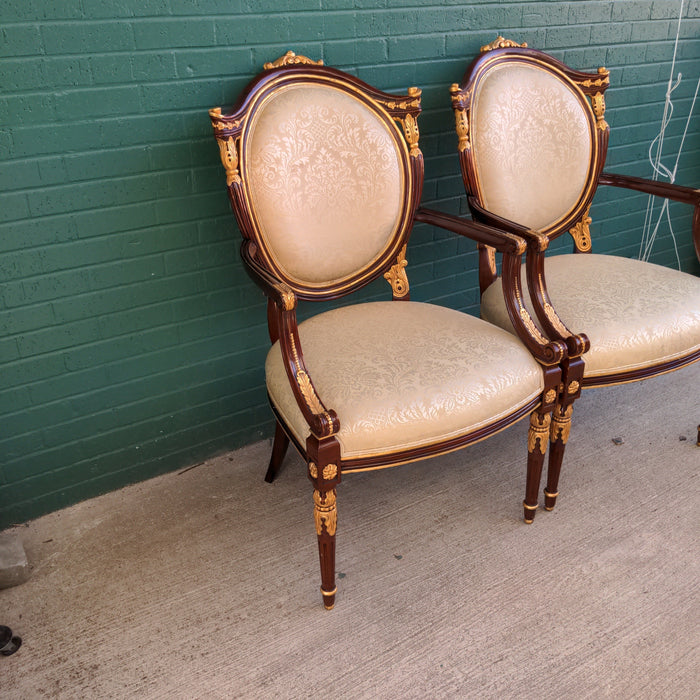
[325, 479]
[561, 426]
[537, 447]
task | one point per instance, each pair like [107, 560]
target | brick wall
[130, 338]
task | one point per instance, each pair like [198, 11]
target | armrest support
[322, 421]
[512, 246]
[667, 190]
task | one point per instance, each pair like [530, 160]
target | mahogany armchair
[324, 174]
[532, 141]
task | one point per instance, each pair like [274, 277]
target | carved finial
[291, 59]
[500, 43]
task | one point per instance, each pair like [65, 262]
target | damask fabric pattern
[324, 176]
[405, 374]
[635, 314]
[532, 145]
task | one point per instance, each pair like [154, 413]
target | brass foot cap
[529, 522]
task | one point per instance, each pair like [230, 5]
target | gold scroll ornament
[397, 277]
[291, 59]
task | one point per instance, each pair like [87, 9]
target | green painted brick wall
[130, 338]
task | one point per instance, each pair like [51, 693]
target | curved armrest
[322, 421]
[502, 241]
[576, 343]
[667, 190]
[512, 246]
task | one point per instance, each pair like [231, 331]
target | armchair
[532, 140]
[324, 175]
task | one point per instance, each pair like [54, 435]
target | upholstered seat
[637, 315]
[404, 376]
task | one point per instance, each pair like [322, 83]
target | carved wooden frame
[322, 449]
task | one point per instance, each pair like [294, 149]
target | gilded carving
[555, 320]
[531, 327]
[397, 277]
[308, 392]
[229, 159]
[325, 511]
[598, 102]
[289, 299]
[539, 429]
[313, 470]
[330, 471]
[462, 126]
[550, 396]
[500, 43]
[573, 387]
[561, 427]
[581, 232]
[291, 59]
[410, 130]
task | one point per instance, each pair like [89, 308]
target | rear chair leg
[536, 448]
[279, 449]
[561, 426]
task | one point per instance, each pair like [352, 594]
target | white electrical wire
[649, 235]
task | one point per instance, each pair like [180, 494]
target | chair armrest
[502, 241]
[667, 190]
[322, 421]
[576, 343]
[512, 246]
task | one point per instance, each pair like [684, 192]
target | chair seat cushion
[637, 315]
[403, 375]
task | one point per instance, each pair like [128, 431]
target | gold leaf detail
[462, 126]
[229, 159]
[291, 59]
[500, 43]
[307, 391]
[550, 396]
[325, 511]
[598, 102]
[561, 426]
[313, 470]
[410, 130]
[581, 233]
[539, 429]
[555, 320]
[397, 277]
[531, 327]
[573, 387]
[330, 471]
[289, 299]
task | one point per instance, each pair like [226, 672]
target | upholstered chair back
[533, 136]
[324, 175]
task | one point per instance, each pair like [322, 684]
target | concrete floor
[204, 583]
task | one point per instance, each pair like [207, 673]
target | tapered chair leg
[536, 447]
[561, 425]
[279, 449]
[326, 518]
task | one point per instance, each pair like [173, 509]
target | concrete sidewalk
[205, 583]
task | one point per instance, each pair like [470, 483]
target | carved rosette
[500, 43]
[539, 430]
[561, 426]
[325, 511]
[550, 396]
[397, 277]
[573, 387]
[291, 59]
[581, 232]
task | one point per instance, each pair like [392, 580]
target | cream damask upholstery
[324, 178]
[531, 143]
[635, 314]
[404, 375]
